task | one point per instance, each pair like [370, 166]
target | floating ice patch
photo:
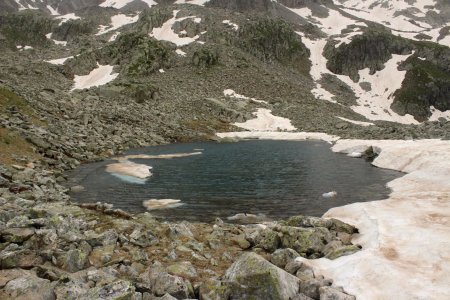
[332, 194]
[355, 154]
[265, 121]
[153, 204]
[166, 33]
[130, 169]
[99, 76]
[117, 21]
[122, 3]
[233, 94]
[229, 23]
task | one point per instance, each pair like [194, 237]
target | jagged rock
[75, 260]
[283, 256]
[183, 269]
[19, 259]
[308, 221]
[310, 287]
[254, 277]
[159, 282]
[29, 287]
[306, 241]
[330, 293]
[340, 226]
[267, 239]
[343, 251]
[17, 235]
[214, 290]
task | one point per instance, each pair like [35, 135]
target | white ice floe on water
[67, 17]
[233, 94]
[166, 33]
[122, 3]
[229, 23]
[97, 77]
[331, 194]
[265, 121]
[131, 169]
[360, 123]
[195, 2]
[117, 21]
[153, 204]
[58, 61]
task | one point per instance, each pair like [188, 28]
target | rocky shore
[54, 249]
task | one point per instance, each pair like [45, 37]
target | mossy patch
[13, 145]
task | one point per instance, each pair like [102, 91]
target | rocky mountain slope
[83, 80]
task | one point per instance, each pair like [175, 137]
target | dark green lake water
[275, 178]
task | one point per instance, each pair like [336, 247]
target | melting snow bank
[406, 238]
[278, 135]
[265, 121]
[99, 76]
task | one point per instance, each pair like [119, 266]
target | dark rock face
[274, 40]
[242, 5]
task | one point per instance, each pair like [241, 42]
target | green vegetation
[25, 28]
[274, 40]
[138, 54]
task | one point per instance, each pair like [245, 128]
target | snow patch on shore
[153, 204]
[278, 136]
[405, 238]
[265, 121]
[99, 76]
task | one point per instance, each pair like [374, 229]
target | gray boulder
[330, 293]
[282, 256]
[253, 277]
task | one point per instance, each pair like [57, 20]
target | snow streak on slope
[122, 3]
[67, 17]
[196, 2]
[117, 21]
[233, 94]
[58, 61]
[166, 33]
[99, 76]
[395, 14]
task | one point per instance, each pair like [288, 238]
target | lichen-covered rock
[308, 242]
[75, 260]
[267, 239]
[28, 287]
[307, 221]
[214, 290]
[253, 277]
[340, 226]
[282, 256]
[159, 282]
[17, 235]
[310, 287]
[183, 269]
[343, 251]
[330, 293]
